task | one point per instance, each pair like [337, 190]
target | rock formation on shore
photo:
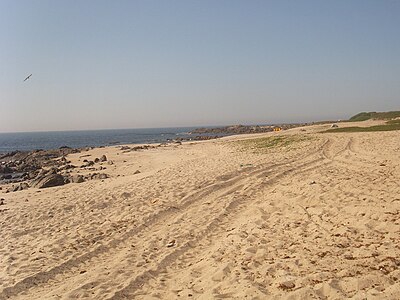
[44, 168]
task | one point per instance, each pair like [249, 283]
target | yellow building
[277, 128]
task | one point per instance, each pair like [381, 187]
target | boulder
[103, 176]
[103, 158]
[48, 180]
[77, 179]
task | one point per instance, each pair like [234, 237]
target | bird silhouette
[27, 77]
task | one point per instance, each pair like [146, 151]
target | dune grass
[267, 143]
[389, 126]
[392, 122]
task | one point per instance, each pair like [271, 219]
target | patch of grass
[262, 144]
[391, 122]
[375, 115]
[387, 127]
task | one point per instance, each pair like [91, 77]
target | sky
[142, 64]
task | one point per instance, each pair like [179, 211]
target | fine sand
[314, 218]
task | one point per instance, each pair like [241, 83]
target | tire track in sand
[234, 206]
[66, 269]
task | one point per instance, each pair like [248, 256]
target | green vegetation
[262, 144]
[393, 121]
[375, 115]
[386, 127]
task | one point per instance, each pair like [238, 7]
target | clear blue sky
[129, 64]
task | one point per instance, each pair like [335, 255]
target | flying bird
[27, 78]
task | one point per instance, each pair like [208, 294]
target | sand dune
[316, 219]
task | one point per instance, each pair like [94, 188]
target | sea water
[88, 138]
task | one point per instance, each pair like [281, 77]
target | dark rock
[48, 180]
[103, 158]
[18, 187]
[136, 172]
[87, 163]
[96, 160]
[77, 179]
[66, 167]
[97, 176]
[5, 169]
[102, 176]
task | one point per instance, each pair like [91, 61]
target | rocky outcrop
[45, 168]
[28, 164]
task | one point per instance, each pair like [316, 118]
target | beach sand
[313, 217]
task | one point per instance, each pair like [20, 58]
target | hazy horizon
[154, 64]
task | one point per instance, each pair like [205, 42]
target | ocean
[24, 141]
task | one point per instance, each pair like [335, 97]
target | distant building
[277, 128]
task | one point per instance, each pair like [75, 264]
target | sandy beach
[296, 214]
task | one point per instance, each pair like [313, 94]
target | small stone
[287, 285]
[312, 182]
[171, 244]
[136, 172]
